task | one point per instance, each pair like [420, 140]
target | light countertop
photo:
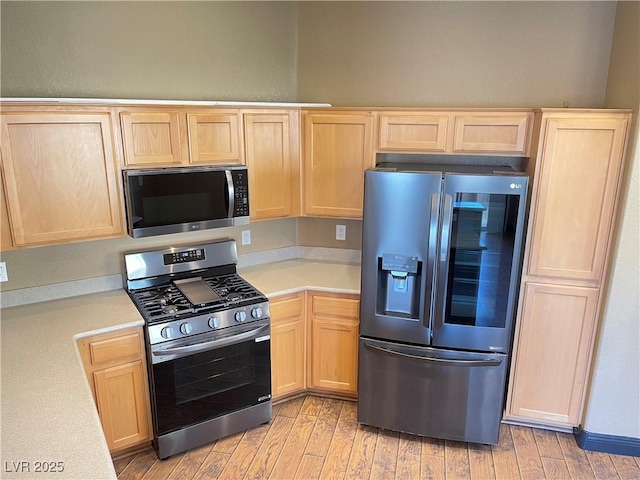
[47, 410]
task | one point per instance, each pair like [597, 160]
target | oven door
[210, 375]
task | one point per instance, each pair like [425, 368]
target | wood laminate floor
[315, 437]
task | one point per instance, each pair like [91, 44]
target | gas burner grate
[157, 303]
[232, 288]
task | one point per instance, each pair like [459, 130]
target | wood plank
[456, 460]
[191, 462]
[139, 465]
[626, 467]
[312, 406]
[481, 462]
[409, 456]
[547, 442]
[504, 456]
[291, 408]
[244, 453]
[364, 446]
[555, 468]
[293, 450]
[432, 466]
[602, 465]
[212, 466]
[267, 455]
[310, 467]
[527, 453]
[575, 458]
[228, 444]
[433, 446]
[325, 425]
[163, 468]
[337, 458]
[120, 463]
[385, 457]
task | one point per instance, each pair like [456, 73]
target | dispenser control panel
[399, 263]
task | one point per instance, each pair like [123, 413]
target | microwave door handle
[198, 347]
[231, 194]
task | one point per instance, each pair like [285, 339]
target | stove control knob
[186, 328]
[240, 316]
[256, 312]
[167, 332]
[214, 322]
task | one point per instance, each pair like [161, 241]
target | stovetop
[166, 302]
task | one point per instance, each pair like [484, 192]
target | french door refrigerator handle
[432, 255]
[441, 361]
[443, 257]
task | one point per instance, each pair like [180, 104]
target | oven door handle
[198, 347]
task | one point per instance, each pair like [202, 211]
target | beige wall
[614, 399]
[522, 54]
[157, 50]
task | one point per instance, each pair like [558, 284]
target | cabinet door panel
[334, 355]
[338, 149]
[270, 164]
[287, 357]
[123, 404]
[151, 138]
[552, 353]
[213, 138]
[6, 242]
[426, 133]
[575, 201]
[499, 133]
[60, 177]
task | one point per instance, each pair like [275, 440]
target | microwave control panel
[241, 189]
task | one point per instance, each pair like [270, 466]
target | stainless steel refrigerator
[440, 267]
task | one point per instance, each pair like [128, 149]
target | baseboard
[599, 442]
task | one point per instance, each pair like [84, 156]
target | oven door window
[205, 385]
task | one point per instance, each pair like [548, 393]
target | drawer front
[125, 346]
[286, 307]
[336, 306]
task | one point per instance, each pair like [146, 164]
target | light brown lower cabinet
[116, 370]
[287, 345]
[333, 343]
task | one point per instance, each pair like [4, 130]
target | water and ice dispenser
[399, 286]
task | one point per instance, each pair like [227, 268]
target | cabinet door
[338, 148]
[123, 404]
[572, 211]
[6, 242]
[60, 174]
[333, 355]
[213, 138]
[413, 132]
[287, 345]
[271, 164]
[552, 353]
[500, 133]
[151, 138]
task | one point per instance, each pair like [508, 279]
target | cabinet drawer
[286, 307]
[124, 346]
[336, 306]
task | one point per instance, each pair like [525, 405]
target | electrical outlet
[341, 232]
[3, 272]
[246, 237]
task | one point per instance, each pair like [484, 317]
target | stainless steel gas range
[208, 343]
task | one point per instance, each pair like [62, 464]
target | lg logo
[514, 186]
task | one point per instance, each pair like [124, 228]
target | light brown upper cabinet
[338, 148]
[6, 242]
[413, 132]
[161, 137]
[577, 187]
[575, 191]
[60, 174]
[272, 158]
[493, 133]
[499, 132]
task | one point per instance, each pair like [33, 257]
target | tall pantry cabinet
[574, 195]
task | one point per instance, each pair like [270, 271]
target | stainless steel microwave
[188, 199]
